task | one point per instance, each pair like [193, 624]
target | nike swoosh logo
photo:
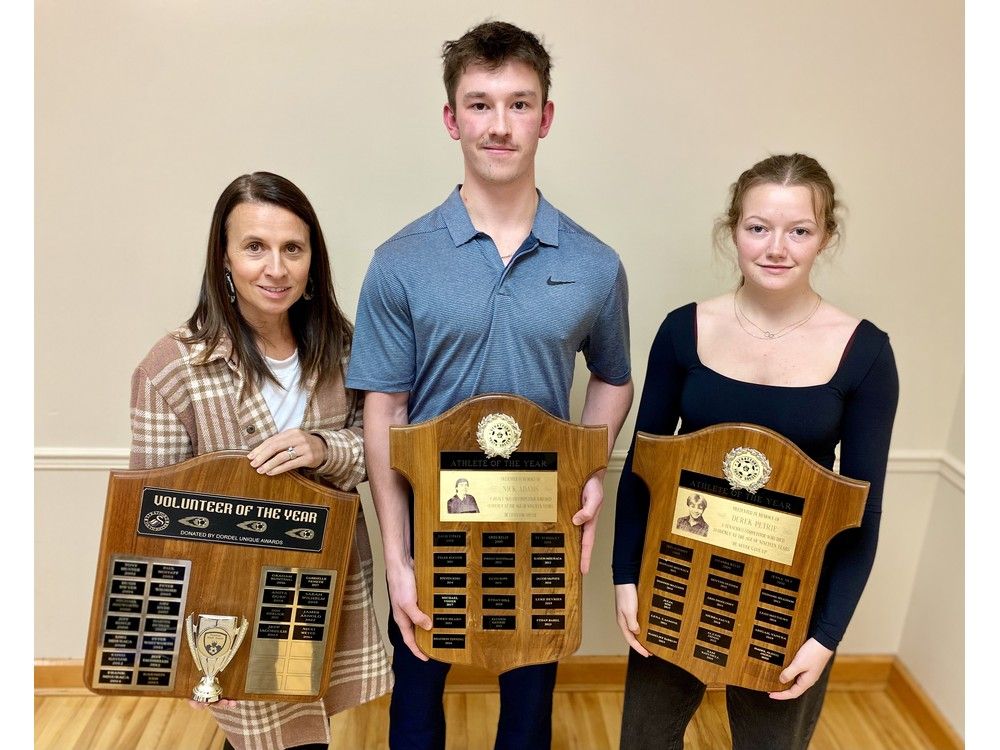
[550, 282]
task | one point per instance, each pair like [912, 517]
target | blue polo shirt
[442, 318]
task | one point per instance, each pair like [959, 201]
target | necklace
[508, 255]
[741, 316]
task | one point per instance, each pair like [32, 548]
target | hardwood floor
[582, 720]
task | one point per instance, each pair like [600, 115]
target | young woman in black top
[772, 353]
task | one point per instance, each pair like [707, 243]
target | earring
[230, 287]
[308, 294]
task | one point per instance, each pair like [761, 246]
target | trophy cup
[214, 642]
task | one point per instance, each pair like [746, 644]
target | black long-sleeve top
[856, 408]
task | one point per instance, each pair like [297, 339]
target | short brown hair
[697, 499]
[492, 44]
[788, 170]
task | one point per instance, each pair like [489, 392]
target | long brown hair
[322, 332]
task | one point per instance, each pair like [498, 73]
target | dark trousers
[661, 698]
[416, 713]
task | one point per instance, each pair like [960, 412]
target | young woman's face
[778, 237]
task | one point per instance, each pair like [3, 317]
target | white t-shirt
[287, 404]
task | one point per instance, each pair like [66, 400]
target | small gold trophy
[213, 643]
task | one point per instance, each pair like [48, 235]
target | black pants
[661, 698]
[416, 712]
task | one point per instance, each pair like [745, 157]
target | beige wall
[145, 111]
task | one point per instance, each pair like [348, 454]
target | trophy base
[207, 691]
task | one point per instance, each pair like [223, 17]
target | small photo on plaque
[475, 489]
[764, 524]
[693, 520]
[462, 501]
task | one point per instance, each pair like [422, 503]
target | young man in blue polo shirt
[536, 289]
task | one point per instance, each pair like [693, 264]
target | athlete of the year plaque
[496, 481]
[214, 580]
[739, 519]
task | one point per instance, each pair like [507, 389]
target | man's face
[461, 489]
[499, 117]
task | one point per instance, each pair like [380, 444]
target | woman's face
[268, 254]
[778, 237]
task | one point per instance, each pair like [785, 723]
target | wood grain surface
[415, 452]
[716, 623]
[224, 578]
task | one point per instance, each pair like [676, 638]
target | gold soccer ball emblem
[746, 469]
[498, 435]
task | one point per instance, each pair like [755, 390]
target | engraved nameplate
[220, 519]
[140, 643]
[289, 645]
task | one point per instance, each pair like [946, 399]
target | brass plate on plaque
[497, 557]
[739, 520]
[212, 537]
[287, 648]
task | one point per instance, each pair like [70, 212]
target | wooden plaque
[739, 520]
[498, 559]
[211, 536]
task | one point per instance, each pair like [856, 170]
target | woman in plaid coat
[260, 366]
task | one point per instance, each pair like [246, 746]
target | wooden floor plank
[582, 720]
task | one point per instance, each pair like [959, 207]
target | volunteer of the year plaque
[214, 580]
[739, 520]
[496, 481]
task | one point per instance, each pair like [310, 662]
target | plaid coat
[181, 409]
